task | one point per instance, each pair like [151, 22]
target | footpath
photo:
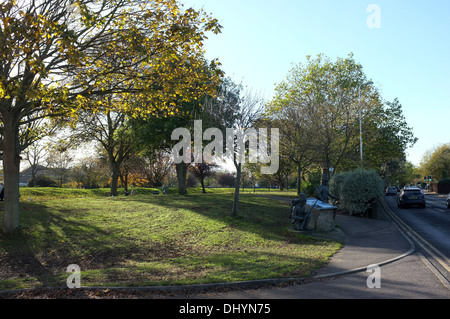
[398, 272]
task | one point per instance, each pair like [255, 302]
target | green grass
[150, 239]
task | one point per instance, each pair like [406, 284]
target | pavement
[402, 272]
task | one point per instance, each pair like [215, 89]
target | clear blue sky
[407, 57]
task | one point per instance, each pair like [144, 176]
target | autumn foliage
[58, 57]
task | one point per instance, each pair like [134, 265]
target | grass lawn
[147, 239]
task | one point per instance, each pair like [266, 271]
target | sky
[403, 46]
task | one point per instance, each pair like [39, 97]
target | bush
[357, 189]
[226, 180]
[336, 183]
[72, 184]
[310, 186]
[43, 181]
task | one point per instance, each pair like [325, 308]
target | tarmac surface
[402, 272]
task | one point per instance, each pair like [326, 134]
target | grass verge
[147, 240]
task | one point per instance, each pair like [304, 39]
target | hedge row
[356, 190]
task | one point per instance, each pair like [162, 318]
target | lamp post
[360, 120]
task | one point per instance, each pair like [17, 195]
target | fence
[441, 188]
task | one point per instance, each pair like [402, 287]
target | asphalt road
[430, 228]
[437, 201]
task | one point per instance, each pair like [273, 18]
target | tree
[202, 170]
[59, 159]
[247, 113]
[319, 106]
[153, 135]
[295, 144]
[90, 172]
[109, 129]
[319, 109]
[56, 55]
[397, 171]
[387, 135]
[437, 162]
[129, 166]
[226, 179]
[156, 168]
[34, 155]
[285, 168]
[232, 111]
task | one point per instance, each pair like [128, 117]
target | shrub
[336, 183]
[72, 184]
[226, 180]
[43, 181]
[357, 189]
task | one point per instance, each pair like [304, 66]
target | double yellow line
[429, 248]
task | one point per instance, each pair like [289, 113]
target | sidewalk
[366, 242]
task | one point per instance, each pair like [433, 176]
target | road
[429, 228]
[437, 201]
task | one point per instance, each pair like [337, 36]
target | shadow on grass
[213, 268]
[267, 217]
[43, 248]
[53, 238]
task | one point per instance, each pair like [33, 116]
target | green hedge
[336, 183]
[357, 189]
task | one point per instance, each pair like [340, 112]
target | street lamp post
[360, 120]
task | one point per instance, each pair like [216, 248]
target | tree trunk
[115, 172]
[299, 179]
[202, 181]
[33, 176]
[181, 169]
[11, 170]
[124, 181]
[254, 184]
[280, 182]
[234, 212]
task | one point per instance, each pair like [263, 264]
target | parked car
[411, 196]
[448, 201]
[392, 190]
